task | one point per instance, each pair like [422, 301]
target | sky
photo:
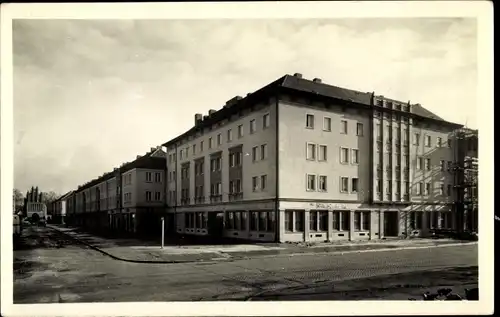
[92, 94]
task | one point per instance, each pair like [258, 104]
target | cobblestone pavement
[73, 273]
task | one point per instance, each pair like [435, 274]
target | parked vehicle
[36, 213]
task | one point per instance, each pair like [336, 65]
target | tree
[18, 198]
[48, 197]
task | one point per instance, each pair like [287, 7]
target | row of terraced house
[297, 160]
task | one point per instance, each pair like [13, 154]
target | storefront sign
[328, 206]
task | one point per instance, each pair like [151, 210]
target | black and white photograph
[250, 154]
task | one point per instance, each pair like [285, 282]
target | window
[263, 151]
[194, 149]
[450, 166]
[181, 154]
[428, 141]
[420, 162]
[243, 220]
[270, 221]
[449, 143]
[379, 130]
[299, 221]
[428, 164]
[366, 220]
[201, 146]
[219, 139]
[311, 182]
[148, 177]
[322, 183]
[289, 221]
[344, 155]
[355, 156]
[187, 152]
[229, 135]
[344, 184]
[323, 153]
[263, 182]
[343, 126]
[442, 165]
[238, 158]
[441, 189]
[439, 142]
[157, 196]
[427, 189]
[253, 220]
[323, 221]
[262, 221]
[327, 124]
[354, 185]
[336, 220]
[253, 126]
[359, 129]
[310, 121]
[255, 183]
[311, 151]
[240, 131]
[346, 220]
[313, 220]
[416, 139]
[266, 121]
[254, 153]
[420, 188]
[448, 191]
[210, 143]
[232, 159]
[148, 196]
[157, 177]
[237, 220]
[357, 221]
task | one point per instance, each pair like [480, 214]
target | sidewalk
[138, 251]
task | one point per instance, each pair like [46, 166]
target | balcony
[215, 198]
[235, 196]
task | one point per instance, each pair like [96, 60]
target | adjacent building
[59, 208]
[466, 180]
[300, 160]
[129, 199]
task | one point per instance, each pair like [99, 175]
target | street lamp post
[162, 231]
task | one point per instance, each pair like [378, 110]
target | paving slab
[135, 250]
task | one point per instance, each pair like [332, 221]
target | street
[50, 268]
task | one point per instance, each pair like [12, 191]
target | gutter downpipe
[278, 214]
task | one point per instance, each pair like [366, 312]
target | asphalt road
[49, 268]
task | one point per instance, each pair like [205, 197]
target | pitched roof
[291, 83]
[153, 159]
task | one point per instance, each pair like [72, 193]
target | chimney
[138, 157]
[153, 149]
[317, 80]
[298, 75]
[198, 118]
[232, 101]
[211, 112]
[205, 117]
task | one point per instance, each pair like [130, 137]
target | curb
[231, 259]
[114, 257]
[372, 250]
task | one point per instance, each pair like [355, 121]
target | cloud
[91, 94]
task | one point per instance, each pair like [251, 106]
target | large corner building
[300, 160]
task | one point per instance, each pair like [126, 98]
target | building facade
[130, 199]
[59, 208]
[299, 160]
[466, 180]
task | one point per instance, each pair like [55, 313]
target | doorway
[215, 224]
[391, 223]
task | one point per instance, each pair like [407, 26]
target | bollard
[162, 231]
